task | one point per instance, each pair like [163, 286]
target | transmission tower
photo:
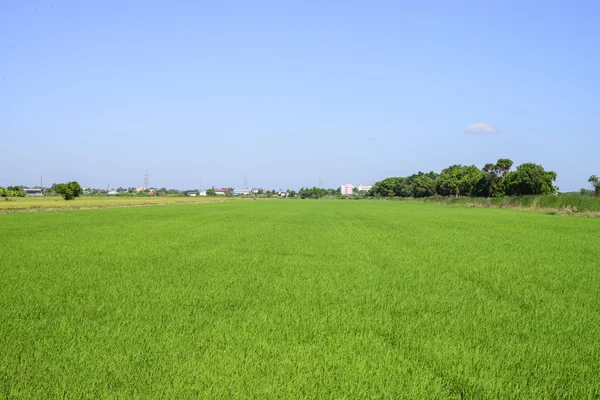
[146, 181]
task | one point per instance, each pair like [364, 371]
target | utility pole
[42, 183]
[146, 182]
[245, 181]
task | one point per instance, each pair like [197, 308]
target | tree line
[317, 193]
[493, 180]
[12, 191]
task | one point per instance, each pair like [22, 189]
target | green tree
[69, 191]
[388, 187]
[529, 179]
[494, 174]
[15, 191]
[418, 185]
[314, 193]
[459, 180]
[595, 181]
[211, 192]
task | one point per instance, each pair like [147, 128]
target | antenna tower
[146, 181]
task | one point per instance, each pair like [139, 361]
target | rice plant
[299, 299]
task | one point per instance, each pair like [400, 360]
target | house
[346, 189]
[256, 190]
[283, 194]
[364, 188]
[243, 191]
[203, 193]
[112, 192]
[221, 192]
[192, 194]
[34, 192]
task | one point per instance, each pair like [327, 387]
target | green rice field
[52, 203]
[299, 299]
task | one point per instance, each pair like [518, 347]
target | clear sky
[293, 93]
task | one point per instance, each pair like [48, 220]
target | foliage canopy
[68, 191]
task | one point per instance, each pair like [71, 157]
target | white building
[364, 188]
[242, 191]
[34, 192]
[346, 189]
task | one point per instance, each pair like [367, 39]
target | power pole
[245, 181]
[42, 183]
[146, 181]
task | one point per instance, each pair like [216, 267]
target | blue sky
[290, 93]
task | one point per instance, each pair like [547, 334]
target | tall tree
[529, 179]
[595, 181]
[459, 180]
[491, 183]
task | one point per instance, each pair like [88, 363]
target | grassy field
[565, 203]
[299, 299]
[20, 204]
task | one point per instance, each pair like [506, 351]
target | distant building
[364, 188]
[203, 193]
[113, 193]
[256, 190]
[221, 192]
[243, 191]
[283, 194]
[34, 192]
[346, 189]
[192, 194]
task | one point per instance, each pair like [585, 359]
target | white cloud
[481, 128]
